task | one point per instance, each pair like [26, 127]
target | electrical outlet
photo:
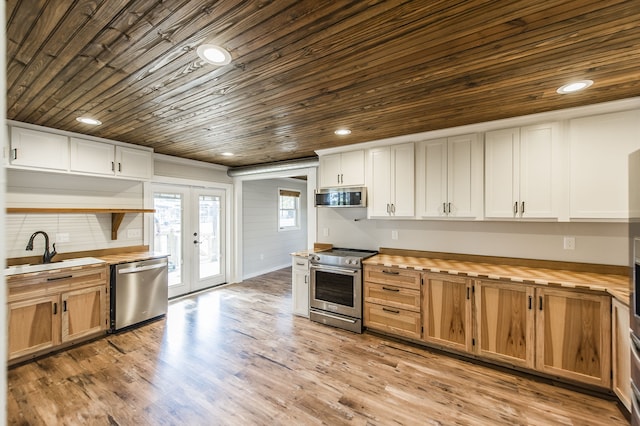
[394, 234]
[261, 256]
[62, 237]
[569, 243]
[134, 233]
[325, 232]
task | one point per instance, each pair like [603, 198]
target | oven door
[337, 290]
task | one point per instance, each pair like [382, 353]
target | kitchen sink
[25, 269]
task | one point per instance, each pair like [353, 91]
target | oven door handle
[343, 271]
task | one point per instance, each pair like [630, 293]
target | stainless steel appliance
[341, 197]
[139, 292]
[335, 296]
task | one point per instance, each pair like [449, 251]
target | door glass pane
[167, 236]
[209, 232]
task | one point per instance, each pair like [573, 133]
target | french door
[189, 226]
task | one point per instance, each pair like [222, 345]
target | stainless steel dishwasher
[139, 292]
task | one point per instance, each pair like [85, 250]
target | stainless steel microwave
[341, 197]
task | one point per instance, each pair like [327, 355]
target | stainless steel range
[336, 287]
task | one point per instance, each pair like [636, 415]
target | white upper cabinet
[134, 163]
[599, 148]
[33, 148]
[449, 177]
[92, 157]
[342, 170]
[391, 181]
[522, 172]
[110, 160]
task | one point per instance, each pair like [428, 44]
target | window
[289, 209]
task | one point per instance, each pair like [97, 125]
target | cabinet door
[83, 312]
[620, 344]
[380, 188]
[330, 170]
[538, 171]
[134, 163]
[34, 325]
[43, 150]
[573, 335]
[300, 286]
[402, 180]
[464, 176]
[92, 157]
[599, 148]
[431, 183]
[352, 168]
[505, 320]
[501, 172]
[447, 311]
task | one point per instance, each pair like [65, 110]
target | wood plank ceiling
[303, 68]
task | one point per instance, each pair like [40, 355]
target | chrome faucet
[46, 257]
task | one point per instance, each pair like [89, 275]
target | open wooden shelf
[116, 214]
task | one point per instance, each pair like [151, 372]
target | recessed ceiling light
[227, 154]
[574, 86]
[213, 54]
[88, 120]
[342, 132]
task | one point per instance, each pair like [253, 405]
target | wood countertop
[615, 285]
[115, 259]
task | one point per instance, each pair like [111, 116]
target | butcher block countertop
[114, 259]
[613, 284]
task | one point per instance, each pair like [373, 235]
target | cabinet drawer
[406, 278]
[392, 320]
[391, 295]
[301, 263]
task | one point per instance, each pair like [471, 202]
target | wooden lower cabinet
[621, 347]
[34, 325]
[505, 320]
[83, 313]
[50, 310]
[446, 308]
[573, 335]
[392, 301]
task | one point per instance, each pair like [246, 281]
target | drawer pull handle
[393, 311]
[55, 308]
[300, 264]
[64, 306]
[391, 289]
[540, 302]
[384, 271]
[60, 278]
[530, 302]
[468, 295]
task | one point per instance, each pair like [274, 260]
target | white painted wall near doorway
[266, 248]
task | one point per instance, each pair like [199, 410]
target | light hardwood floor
[237, 356]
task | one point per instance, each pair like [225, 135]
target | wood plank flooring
[237, 356]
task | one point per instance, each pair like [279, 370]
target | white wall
[266, 248]
[604, 243]
[84, 231]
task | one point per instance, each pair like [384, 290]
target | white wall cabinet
[33, 148]
[392, 181]
[449, 177]
[522, 172]
[300, 285]
[342, 170]
[110, 160]
[599, 148]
